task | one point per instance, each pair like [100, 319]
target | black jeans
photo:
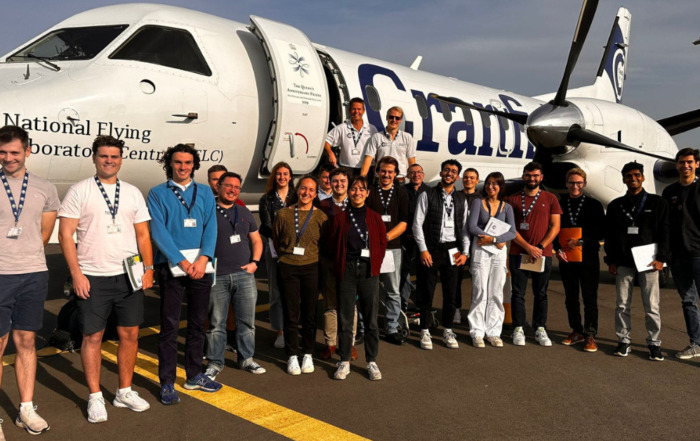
[358, 284]
[299, 290]
[583, 275]
[427, 278]
[540, 282]
[172, 290]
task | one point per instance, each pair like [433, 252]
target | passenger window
[69, 44]
[373, 98]
[422, 106]
[164, 46]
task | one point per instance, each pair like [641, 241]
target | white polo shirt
[401, 148]
[351, 142]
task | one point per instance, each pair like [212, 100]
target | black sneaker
[655, 353]
[395, 338]
[622, 349]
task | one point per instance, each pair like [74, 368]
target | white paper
[452, 252]
[388, 263]
[643, 256]
[494, 227]
[190, 255]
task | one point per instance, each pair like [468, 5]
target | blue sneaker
[203, 383]
[168, 395]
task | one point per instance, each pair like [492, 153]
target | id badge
[298, 251]
[449, 223]
[364, 252]
[14, 232]
[355, 152]
[632, 230]
[235, 238]
[386, 218]
[114, 229]
[524, 226]
[190, 223]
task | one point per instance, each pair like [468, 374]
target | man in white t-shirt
[391, 142]
[111, 220]
[27, 216]
[351, 136]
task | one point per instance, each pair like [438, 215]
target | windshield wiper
[45, 60]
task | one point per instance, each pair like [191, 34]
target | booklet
[191, 255]
[565, 234]
[643, 255]
[527, 263]
[388, 263]
[454, 254]
[135, 269]
[494, 227]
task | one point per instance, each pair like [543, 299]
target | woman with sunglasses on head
[357, 242]
[488, 265]
[279, 193]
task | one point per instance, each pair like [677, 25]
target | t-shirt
[230, 257]
[397, 208]
[401, 148]
[351, 142]
[25, 253]
[100, 252]
[537, 220]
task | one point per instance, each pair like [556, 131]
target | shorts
[109, 293]
[22, 301]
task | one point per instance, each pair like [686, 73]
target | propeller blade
[578, 134]
[584, 24]
[518, 118]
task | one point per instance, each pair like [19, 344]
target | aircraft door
[300, 97]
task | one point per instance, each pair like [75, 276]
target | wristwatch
[539, 245]
[149, 267]
[256, 262]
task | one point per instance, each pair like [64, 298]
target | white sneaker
[458, 318]
[96, 410]
[293, 366]
[478, 342]
[425, 341]
[279, 342]
[307, 364]
[495, 341]
[541, 337]
[343, 370]
[30, 420]
[518, 336]
[131, 400]
[211, 372]
[373, 371]
[450, 339]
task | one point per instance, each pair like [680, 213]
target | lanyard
[182, 200]
[113, 209]
[357, 138]
[500, 206]
[235, 216]
[296, 221]
[534, 201]
[364, 236]
[388, 200]
[16, 209]
[448, 207]
[343, 205]
[639, 210]
[573, 217]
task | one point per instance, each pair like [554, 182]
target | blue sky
[507, 44]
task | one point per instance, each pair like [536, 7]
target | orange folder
[565, 234]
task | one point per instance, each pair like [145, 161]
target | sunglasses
[393, 118]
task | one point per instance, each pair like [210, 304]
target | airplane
[250, 95]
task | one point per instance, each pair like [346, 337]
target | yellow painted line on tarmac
[266, 414]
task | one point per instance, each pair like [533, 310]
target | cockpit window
[69, 44]
[165, 46]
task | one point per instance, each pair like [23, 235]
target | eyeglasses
[230, 186]
[451, 171]
[577, 183]
[393, 118]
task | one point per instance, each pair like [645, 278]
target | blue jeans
[240, 290]
[390, 292]
[686, 274]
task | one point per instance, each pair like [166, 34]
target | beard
[532, 185]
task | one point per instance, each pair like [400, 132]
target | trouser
[540, 282]
[686, 274]
[486, 313]
[649, 284]
[172, 290]
[330, 305]
[583, 277]
[390, 292]
[428, 278]
[299, 289]
[240, 290]
[276, 313]
[358, 284]
[409, 253]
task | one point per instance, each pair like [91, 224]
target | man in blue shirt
[183, 226]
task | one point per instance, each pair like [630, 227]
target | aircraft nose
[10, 107]
[548, 125]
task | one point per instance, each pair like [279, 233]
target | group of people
[337, 234]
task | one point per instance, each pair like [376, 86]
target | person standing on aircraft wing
[633, 220]
[111, 220]
[391, 142]
[27, 218]
[582, 273]
[391, 202]
[409, 252]
[443, 241]
[537, 217]
[238, 251]
[470, 178]
[184, 229]
[683, 198]
[351, 136]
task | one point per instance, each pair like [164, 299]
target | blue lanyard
[296, 221]
[16, 209]
[182, 200]
[113, 209]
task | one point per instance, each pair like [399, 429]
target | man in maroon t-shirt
[537, 216]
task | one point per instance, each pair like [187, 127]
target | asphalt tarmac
[523, 393]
